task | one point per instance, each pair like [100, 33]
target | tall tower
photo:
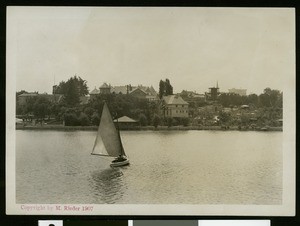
[214, 92]
[54, 88]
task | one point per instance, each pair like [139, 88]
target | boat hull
[122, 163]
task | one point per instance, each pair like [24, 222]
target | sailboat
[108, 140]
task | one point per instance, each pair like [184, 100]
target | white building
[174, 106]
[241, 92]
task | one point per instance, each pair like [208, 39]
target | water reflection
[108, 185]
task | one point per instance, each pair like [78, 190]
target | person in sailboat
[120, 158]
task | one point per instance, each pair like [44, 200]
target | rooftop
[28, 95]
[174, 99]
[124, 119]
[104, 85]
[95, 91]
[119, 89]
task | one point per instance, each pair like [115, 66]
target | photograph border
[287, 209]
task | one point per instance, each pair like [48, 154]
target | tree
[89, 111]
[245, 119]
[253, 99]
[156, 120]
[143, 120]
[55, 110]
[264, 100]
[72, 93]
[21, 92]
[83, 119]
[72, 90]
[274, 96]
[61, 88]
[224, 117]
[41, 107]
[279, 101]
[169, 121]
[95, 119]
[185, 121]
[270, 98]
[165, 88]
[184, 94]
[168, 87]
[161, 89]
[71, 119]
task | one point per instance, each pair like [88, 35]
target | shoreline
[151, 128]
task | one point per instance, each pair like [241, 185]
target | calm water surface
[167, 167]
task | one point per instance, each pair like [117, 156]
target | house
[120, 89]
[125, 122]
[193, 97]
[151, 93]
[174, 106]
[24, 98]
[138, 93]
[105, 88]
[94, 93]
[142, 92]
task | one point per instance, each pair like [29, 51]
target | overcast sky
[250, 48]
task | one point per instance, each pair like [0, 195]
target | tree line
[71, 111]
[269, 98]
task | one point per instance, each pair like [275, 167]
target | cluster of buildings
[25, 97]
[214, 92]
[169, 106]
[141, 92]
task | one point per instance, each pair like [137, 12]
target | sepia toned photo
[150, 111]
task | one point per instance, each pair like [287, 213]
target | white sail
[108, 140]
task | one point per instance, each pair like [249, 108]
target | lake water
[167, 167]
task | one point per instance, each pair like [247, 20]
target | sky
[249, 48]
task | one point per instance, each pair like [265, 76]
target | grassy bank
[91, 128]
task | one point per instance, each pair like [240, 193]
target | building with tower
[213, 93]
[105, 88]
[140, 91]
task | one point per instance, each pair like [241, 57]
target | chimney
[54, 88]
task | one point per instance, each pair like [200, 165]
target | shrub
[143, 120]
[185, 121]
[83, 119]
[95, 119]
[169, 121]
[156, 120]
[71, 119]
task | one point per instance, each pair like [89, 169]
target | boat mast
[118, 129]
